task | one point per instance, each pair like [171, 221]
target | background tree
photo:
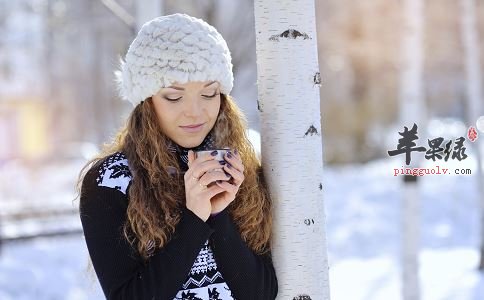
[474, 98]
[412, 110]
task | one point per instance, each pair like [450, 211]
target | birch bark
[288, 99]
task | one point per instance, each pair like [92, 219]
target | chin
[193, 142]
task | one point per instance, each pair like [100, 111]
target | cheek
[165, 114]
[214, 109]
[166, 111]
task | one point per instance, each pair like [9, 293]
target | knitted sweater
[203, 260]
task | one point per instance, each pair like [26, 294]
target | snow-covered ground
[47, 268]
[364, 233]
[363, 228]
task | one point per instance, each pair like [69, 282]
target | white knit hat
[173, 48]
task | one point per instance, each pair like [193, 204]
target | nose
[194, 108]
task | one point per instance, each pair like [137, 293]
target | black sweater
[203, 260]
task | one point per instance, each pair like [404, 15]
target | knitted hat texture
[172, 49]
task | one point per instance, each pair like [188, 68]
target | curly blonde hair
[155, 195]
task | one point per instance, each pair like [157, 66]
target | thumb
[190, 156]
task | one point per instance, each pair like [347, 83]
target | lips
[192, 126]
[193, 129]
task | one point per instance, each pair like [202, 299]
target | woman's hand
[235, 168]
[197, 178]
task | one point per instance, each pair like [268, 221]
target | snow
[364, 233]
[47, 268]
[362, 205]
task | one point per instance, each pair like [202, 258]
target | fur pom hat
[173, 48]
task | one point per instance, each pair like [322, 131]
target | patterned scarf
[207, 143]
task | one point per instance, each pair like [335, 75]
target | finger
[231, 155]
[238, 177]
[232, 189]
[212, 191]
[212, 176]
[191, 156]
[207, 177]
[237, 163]
[201, 160]
[207, 167]
[237, 154]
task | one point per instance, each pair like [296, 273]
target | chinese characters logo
[406, 145]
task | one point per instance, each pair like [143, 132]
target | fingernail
[229, 165]
[219, 181]
[228, 175]
[229, 155]
[214, 152]
[222, 162]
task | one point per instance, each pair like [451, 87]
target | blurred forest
[59, 100]
[59, 104]
[360, 55]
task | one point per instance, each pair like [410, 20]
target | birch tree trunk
[291, 142]
[474, 94]
[147, 10]
[87, 73]
[412, 110]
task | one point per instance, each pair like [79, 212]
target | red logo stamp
[472, 134]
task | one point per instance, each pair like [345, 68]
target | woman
[153, 228]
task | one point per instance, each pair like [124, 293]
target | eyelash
[176, 100]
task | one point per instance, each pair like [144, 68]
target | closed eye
[173, 100]
[176, 99]
[212, 96]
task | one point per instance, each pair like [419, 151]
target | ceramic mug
[220, 157]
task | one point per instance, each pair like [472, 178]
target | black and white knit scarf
[207, 143]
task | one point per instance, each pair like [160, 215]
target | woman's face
[181, 105]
